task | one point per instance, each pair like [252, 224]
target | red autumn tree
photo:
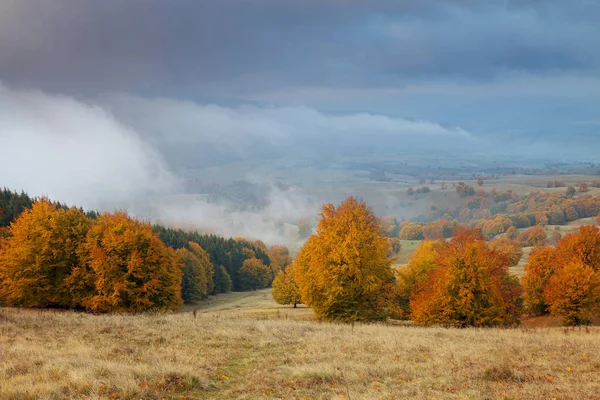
[470, 286]
[416, 272]
[132, 270]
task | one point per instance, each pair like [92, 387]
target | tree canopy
[342, 271]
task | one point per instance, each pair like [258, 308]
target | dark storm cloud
[198, 46]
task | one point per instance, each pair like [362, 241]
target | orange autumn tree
[535, 237]
[511, 248]
[583, 245]
[38, 258]
[563, 281]
[416, 272]
[573, 292]
[470, 286]
[285, 289]
[342, 271]
[540, 266]
[128, 269]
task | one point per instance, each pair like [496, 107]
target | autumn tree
[512, 233]
[414, 274]
[193, 284]
[555, 238]
[570, 190]
[470, 286]
[39, 256]
[130, 268]
[563, 281]
[395, 247]
[573, 293]
[412, 231]
[254, 274]
[206, 266]
[280, 255]
[582, 245]
[535, 236]
[464, 190]
[511, 248]
[540, 266]
[571, 214]
[285, 289]
[342, 271]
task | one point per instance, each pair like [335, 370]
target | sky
[184, 83]
[488, 66]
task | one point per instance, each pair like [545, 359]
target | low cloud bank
[140, 154]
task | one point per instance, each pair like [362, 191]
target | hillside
[243, 345]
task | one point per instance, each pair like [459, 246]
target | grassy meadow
[244, 346]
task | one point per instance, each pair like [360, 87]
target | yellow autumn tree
[285, 289]
[193, 284]
[205, 265]
[342, 271]
[131, 269]
[39, 256]
[254, 274]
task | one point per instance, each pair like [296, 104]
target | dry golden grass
[244, 346]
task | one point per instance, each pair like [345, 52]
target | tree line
[477, 212]
[55, 256]
[344, 273]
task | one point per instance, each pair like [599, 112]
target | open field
[242, 345]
